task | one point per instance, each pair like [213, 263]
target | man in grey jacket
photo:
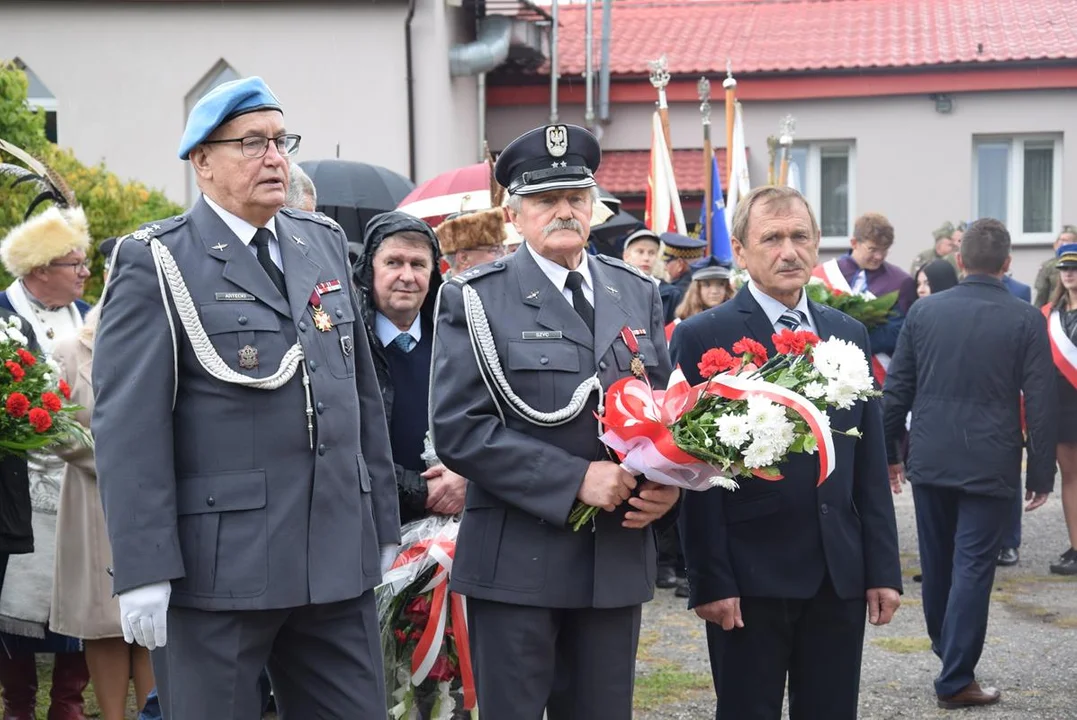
[241, 445]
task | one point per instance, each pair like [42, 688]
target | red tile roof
[624, 172]
[810, 35]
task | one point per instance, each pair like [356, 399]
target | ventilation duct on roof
[500, 38]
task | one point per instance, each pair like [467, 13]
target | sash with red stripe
[830, 273]
[669, 329]
[1063, 350]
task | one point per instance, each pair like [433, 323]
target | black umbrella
[606, 238]
[607, 199]
[353, 192]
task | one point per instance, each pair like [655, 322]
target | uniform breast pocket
[534, 368]
[624, 358]
[246, 335]
[338, 342]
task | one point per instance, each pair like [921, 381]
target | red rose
[443, 670]
[748, 346]
[17, 405]
[51, 402]
[65, 389]
[401, 636]
[40, 419]
[17, 373]
[418, 610]
[26, 357]
[715, 361]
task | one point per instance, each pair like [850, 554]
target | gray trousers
[325, 662]
[577, 664]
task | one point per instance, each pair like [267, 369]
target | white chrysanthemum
[733, 430]
[769, 445]
[814, 390]
[16, 335]
[763, 413]
[840, 395]
[724, 483]
[4, 337]
[846, 371]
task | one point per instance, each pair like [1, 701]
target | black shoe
[918, 578]
[1067, 564]
[682, 588]
[667, 578]
[1008, 557]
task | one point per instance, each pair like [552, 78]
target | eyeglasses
[85, 265]
[255, 146]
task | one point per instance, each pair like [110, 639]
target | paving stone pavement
[1030, 655]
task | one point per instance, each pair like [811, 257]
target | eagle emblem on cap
[556, 140]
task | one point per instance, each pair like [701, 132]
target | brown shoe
[971, 696]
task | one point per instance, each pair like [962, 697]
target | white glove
[388, 556]
[143, 614]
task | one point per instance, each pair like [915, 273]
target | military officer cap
[642, 234]
[554, 157]
[226, 101]
[711, 268]
[943, 231]
[682, 247]
[1066, 257]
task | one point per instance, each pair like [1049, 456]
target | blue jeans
[152, 711]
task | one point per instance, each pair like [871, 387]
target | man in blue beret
[250, 526]
[678, 252]
[523, 348]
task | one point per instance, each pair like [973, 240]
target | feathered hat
[59, 230]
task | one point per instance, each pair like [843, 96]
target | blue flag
[716, 233]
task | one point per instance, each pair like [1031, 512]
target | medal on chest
[636, 365]
[321, 318]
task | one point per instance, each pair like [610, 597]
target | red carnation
[788, 342]
[17, 405]
[17, 373]
[51, 402]
[442, 670]
[26, 357]
[715, 361]
[748, 346]
[40, 419]
[65, 389]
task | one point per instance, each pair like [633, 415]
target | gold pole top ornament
[704, 87]
[730, 82]
[659, 73]
[788, 128]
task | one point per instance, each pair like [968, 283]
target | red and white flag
[663, 212]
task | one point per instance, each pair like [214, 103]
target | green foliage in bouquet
[872, 313]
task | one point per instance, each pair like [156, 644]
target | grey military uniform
[929, 256]
[223, 494]
[515, 557]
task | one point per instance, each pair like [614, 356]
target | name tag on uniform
[542, 335]
[234, 297]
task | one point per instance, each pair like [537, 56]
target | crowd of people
[267, 415]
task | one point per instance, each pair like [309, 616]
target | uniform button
[302, 326]
[602, 365]
[544, 360]
[313, 366]
[498, 264]
[242, 319]
[321, 408]
[210, 501]
[339, 313]
[824, 509]
[321, 449]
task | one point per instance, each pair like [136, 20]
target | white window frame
[1015, 185]
[207, 83]
[812, 189]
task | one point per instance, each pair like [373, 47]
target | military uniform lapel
[240, 265]
[300, 271]
[610, 313]
[554, 311]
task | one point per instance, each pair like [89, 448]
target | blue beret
[221, 104]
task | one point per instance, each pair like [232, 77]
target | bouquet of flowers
[36, 413]
[744, 420]
[424, 628]
[870, 310]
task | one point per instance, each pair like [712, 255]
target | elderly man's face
[781, 249]
[466, 259]
[556, 223]
[402, 269]
[65, 277]
[252, 188]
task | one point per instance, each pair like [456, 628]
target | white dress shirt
[245, 231]
[387, 331]
[558, 275]
[774, 308]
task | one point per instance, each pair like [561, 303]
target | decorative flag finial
[659, 72]
[704, 87]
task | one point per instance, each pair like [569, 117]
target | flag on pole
[717, 234]
[794, 176]
[664, 213]
[737, 158]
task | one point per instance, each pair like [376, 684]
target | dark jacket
[1017, 288]
[411, 487]
[16, 531]
[780, 539]
[962, 362]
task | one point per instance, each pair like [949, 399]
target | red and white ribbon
[669, 329]
[1063, 350]
[831, 275]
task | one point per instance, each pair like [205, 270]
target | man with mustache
[782, 572]
[242, 450]
[523, 349]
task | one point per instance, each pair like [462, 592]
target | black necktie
[579, 300]
[261, 242]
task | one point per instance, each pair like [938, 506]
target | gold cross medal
[322, 321]
[636, 365]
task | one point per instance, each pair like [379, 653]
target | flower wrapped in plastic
[743, 421]
[36, 412]
[424, 628]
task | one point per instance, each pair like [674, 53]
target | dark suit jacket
[964, 357]
[5, 303]
[780, 539]
[1017, 288]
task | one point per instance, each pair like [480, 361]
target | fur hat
[43, 238]
[472, 230]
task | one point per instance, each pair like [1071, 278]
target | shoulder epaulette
[157, 228]
[614, 262]
[320, 218]
[477, 272]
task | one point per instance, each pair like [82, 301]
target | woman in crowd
[1064, 301]
[710, 287]
[934, 277]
